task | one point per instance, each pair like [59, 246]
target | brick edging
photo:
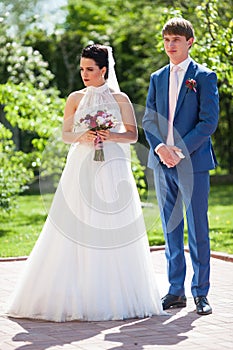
[17, 258]
[216, 255]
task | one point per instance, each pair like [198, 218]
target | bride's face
[91, 74]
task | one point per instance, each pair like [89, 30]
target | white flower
[100, 121]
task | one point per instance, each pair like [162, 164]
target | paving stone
[181, 329]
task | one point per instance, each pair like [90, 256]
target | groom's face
[177, 47]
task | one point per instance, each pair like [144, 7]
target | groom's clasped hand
[170, 155]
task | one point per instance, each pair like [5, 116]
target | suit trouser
[173, 189]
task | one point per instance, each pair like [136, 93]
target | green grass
[20, 229]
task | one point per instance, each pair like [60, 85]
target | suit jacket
[195, 118]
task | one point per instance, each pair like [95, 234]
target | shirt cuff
[158, 147]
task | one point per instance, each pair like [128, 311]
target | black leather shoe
[202, 306]
[171, 300]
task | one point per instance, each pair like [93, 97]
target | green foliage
[20, 15]
[31, 111]
[62, 51]
[215, 41]
[215, 46]
[138, 172]
[20, 63]
[14, 174]
[34, 111]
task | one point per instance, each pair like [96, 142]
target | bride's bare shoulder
[77, 95]
[74, 99]
[120, 96]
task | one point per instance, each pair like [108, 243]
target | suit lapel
[183, 90]
[164, 86]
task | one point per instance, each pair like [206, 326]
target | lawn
[20, 229]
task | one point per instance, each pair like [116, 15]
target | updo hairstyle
[99, 54]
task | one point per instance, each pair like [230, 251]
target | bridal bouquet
[102, 120]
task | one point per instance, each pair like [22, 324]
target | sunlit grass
[20, 229]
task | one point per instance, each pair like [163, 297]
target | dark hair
[179, 26]
[99, 54]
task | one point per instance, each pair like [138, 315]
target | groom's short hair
[178, 26]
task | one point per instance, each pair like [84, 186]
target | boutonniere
[191, 84]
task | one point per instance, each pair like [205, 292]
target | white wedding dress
[92, 259]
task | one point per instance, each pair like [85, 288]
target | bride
[92, 259]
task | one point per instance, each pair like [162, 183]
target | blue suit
[195, 119]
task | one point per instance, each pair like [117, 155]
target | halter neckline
[98, 89]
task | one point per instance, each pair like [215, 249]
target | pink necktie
[173, 94]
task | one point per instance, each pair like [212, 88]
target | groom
[181, 114]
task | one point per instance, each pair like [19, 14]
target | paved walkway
[182, 329]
